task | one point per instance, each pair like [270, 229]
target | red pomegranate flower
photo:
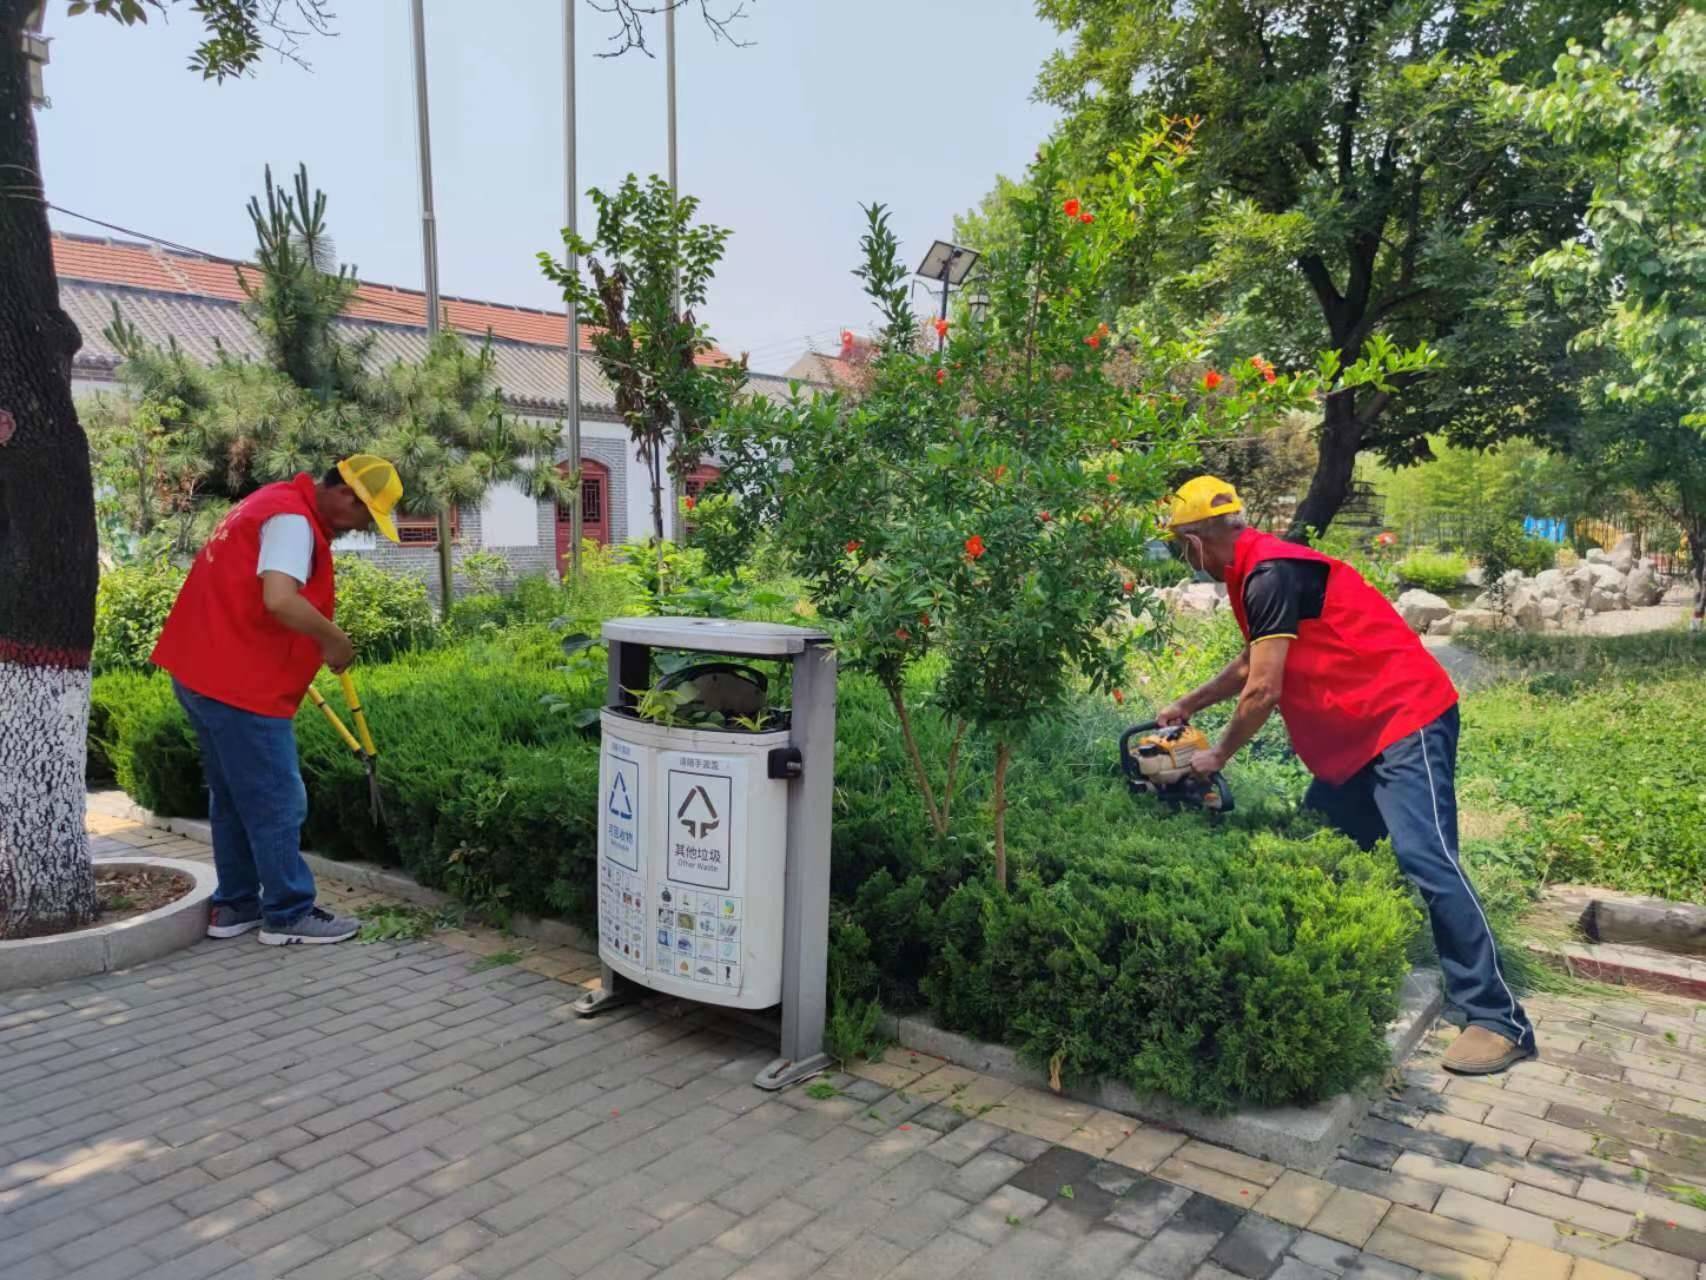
[1119, 697]
[999, 472]
[1386, 539]
[941, 327]
[1211, 380]
[941, 376]
[974, 547]
[690, 502]
[1044, 516]
[901, 633]
[1113, 477]
[924, 619]
[1071, 207]
[1092, 340]
[1086, 217]
[1265, 368]
[1128, 586]
[853, 546]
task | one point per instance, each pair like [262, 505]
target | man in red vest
[249, 631]
[1373, 716]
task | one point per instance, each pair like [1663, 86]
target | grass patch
[497, 960]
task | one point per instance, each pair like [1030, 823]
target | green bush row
[1229, 946]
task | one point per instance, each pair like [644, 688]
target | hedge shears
[363, 747]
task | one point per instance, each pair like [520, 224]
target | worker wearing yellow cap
[1373, 716]
[249, 631]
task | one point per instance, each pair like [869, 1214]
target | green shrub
[384, 614]
[131, 604]
[1503, 547]
[1433, 570]
[1214, 970]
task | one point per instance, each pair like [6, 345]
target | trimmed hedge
[1248, 960]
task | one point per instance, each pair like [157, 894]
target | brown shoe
[1480, 1052]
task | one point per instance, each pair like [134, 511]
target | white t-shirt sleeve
[287, 546]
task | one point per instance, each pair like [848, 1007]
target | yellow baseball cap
[1201, 498]
[378, 485]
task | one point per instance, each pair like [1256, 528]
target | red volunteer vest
[220, 641]
[1357, 679]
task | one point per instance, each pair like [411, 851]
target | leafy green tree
[1351, 184]
[985, 504]
[650, 266]
[1629, 110]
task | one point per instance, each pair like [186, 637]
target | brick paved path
[389, 1111]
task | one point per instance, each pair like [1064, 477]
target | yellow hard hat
[378, 485]
[1201, 498]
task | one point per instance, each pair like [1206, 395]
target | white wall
[509, 518]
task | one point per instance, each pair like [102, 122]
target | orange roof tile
[143, 266]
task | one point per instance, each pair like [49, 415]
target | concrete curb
[34, 962]
[394, 884]
[1305, 1138]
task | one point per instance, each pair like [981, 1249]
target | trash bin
[713, 844]
[693, 857]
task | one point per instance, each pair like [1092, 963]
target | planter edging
[60, 957]
[1305, 1138]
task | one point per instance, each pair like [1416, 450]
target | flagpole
[576, 511]
[429, 246]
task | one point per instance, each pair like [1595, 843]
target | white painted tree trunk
[47, 882]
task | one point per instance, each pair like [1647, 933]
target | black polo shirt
[1280, 593]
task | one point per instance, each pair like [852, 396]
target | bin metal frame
[805, 931]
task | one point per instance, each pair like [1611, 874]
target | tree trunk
[1003, 756]
[48, 564]
[1341, 437]
[937, 819]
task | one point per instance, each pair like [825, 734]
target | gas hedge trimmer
[1158, 764]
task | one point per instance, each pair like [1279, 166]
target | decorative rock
[1551, 609]
[1623, 553]
[1474, 619]
[1524, 607]
[1510, 579]
[1475, 576]
[1550, 582]
[1580, 581]
[1421, 609]
[1597, 555]
[1642, 587]
[1441, 627]
[1604, 599]
[1571, 615]
[1198, 598]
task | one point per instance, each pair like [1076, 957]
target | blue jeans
[256, 805]
[1408, 792]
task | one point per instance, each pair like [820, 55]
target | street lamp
[948, 264]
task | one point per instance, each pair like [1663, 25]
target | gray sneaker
[229, 922]
[319, 926]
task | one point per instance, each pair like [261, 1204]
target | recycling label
[622, 806]
[700, 821]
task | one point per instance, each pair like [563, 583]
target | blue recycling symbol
[619, 802]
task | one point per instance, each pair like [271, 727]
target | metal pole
[805, 892]
[570, 196]
[676, 486]
[429, 245]
[946, 267]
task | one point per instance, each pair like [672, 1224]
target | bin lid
[715, 635]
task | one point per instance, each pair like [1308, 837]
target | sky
[917, 104]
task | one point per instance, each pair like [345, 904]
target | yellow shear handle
[356, 713]
[332, 716]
